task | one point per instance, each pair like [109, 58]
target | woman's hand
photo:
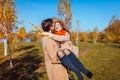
[45, 33]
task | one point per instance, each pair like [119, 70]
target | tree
[8, 18]
[73, 36]
[95, 35]
[101, 35]
[84, 36]
[22, 33]
[15, 39]
[32, 36]
[38, 35]
[64, 12]
[36, 32]
[1, 33]
[113, 30]
[77, 32]
[8, 15]
[108, 37]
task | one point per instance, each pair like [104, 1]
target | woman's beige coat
[55, 70]
[67, 44]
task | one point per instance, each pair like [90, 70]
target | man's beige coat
[55, 70]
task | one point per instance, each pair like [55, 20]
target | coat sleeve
[61, 37]
[52, 52]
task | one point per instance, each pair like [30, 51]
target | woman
[66, 51]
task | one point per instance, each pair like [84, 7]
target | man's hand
[45, 33]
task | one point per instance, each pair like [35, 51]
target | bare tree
[65, 12]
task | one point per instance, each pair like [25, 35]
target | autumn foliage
[112, 32]
[94, 35]
[8, 17]
[22, 33]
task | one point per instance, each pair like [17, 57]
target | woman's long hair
[62, 23]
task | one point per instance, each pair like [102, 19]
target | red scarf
[61, 32]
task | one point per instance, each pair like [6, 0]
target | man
[55, 70]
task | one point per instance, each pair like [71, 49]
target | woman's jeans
[66, 61]
[76, 62]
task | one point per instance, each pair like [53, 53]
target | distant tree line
[9, 26]
[108, 35]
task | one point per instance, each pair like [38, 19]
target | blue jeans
[66, 61]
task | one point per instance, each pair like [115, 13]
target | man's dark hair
[46, 24]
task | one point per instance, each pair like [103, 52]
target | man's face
[52, 28]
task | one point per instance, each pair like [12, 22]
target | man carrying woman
[66, 54]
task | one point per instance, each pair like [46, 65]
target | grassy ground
[103, 60]
[28, 64]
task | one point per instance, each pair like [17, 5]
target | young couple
[58, 51]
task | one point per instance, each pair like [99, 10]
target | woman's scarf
[61, 32]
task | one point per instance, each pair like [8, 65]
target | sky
[89, 13]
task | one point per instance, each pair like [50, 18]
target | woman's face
[57, 26]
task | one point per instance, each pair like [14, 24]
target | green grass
[103, 60]
[28, 63]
